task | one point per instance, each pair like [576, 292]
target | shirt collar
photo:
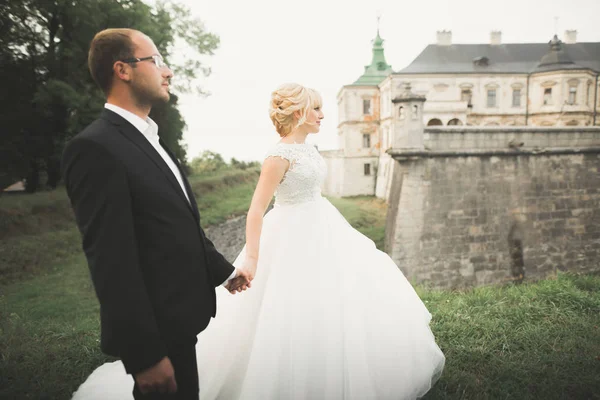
[147, 127]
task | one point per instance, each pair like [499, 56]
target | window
[491, 98]
[367, 168]
[415, 112]
[434, 122]
[547, 96]
[572, 94]
[366, 107]
[589, 91]
[466, 95]
[401, 112]
[516, 101]
[366, 140]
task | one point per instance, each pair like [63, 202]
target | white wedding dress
[328, 316]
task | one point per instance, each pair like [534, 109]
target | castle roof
[505, 58]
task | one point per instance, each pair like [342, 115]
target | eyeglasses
[158, 61]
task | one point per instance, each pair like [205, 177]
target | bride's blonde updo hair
[286, 100]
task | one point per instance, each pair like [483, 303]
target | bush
[209, 161]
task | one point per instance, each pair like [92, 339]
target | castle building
[494, 84]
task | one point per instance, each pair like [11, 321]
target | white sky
[325, 44]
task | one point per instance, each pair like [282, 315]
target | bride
[327, 315]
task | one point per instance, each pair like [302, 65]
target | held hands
[158, 378]
[243, 278]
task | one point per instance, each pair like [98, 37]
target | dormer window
[481, 61]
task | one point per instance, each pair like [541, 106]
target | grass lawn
[532, 341]
[38, 231]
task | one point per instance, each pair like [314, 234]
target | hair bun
[285, 101]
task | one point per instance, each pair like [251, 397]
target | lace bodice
[302, 182]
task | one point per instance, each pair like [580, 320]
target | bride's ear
[297, 114]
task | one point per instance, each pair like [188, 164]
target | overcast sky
[325, 44]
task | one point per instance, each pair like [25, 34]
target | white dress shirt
[149, 129]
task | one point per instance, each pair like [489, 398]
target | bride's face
[313, 120]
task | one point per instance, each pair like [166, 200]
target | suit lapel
[135, 136]
[186, 183]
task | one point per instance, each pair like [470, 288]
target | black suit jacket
[153, 269]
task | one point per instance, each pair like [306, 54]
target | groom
[153, 269]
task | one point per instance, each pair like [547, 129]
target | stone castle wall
[482, 206]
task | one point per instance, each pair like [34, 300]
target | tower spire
[379, 69]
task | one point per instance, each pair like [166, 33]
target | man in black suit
[153, 269]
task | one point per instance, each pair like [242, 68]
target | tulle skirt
[329, 316]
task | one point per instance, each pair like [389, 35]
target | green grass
[366, 214]
[49, 333]
[533, 341]
[38, 230]
[31, 214]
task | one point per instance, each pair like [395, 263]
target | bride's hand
[249, 268]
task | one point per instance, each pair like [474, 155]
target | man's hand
[241, 282]
[158, 378]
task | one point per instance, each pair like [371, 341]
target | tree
[43, 65]
[208, 161]
[243, 164]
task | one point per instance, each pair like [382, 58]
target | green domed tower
[379, 69]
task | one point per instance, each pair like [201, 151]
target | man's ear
[122, 71]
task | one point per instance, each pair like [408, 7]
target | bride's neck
[295, 137]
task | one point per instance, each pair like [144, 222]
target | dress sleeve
[283, 151]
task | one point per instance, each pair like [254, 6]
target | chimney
[444, 38]
[496, 37]
[570, 36]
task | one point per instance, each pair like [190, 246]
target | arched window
[415, 113]
[434, 122]
[400, 112]
[466, 95]
[547, 100]
[455, 122]
[572, 95]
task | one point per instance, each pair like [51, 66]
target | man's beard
[145, 96]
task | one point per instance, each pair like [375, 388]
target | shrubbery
[209, 161]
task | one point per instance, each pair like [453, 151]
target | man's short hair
[107, 47]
